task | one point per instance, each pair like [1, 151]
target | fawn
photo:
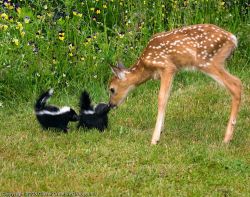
[204, 47]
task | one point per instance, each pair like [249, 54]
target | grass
[68, 45]
[190, 160]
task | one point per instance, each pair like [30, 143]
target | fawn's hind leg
[234, 86]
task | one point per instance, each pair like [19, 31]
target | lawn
[190, 159]
[68, 45]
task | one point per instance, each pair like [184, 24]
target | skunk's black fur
[92, 117]
[51, 116]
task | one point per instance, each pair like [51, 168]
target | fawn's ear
[119, 71]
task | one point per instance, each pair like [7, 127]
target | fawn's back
[195, 46]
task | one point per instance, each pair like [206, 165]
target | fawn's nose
[112, 106]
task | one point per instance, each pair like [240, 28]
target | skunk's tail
[41, 101]
[85, 102]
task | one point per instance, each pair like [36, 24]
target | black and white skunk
[51, 116]
[92, 117]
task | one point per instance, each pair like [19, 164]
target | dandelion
[15, 41]
[105, 6]
[82, 58]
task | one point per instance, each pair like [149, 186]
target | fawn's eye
[112, 90]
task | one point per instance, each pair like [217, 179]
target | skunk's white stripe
[47, 98]
[87, 112]
[51, 91]
[61, 111]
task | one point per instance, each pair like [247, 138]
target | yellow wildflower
[54, 61]
[27, 19]
[50, 14]
[61, 35]
[22, 33]
[4, 16]
[3, 27]
[222, 3]
[71, 47]
[11, 19]
[19, 26]
[98, 11]
[15, 41]
[18, 9]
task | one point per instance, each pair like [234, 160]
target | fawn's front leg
[166, 82]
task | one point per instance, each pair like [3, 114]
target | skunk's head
[73, 115]
[102, 109]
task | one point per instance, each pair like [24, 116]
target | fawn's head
[120, 85]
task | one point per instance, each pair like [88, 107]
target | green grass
[190, 159]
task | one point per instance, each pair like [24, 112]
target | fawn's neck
[140, 74]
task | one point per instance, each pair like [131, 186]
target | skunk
[92, 117]
[51, 116]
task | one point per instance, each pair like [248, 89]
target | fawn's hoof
[154, 142]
